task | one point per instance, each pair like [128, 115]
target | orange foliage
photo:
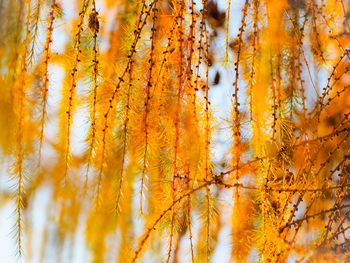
[111, 110]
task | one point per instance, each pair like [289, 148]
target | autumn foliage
[149, 130]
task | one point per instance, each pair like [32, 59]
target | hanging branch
[177, 122]
[147, 101]
[236, 113]
[18, 167]
[94, 25]
[74, 74]
[207, 136]
[45, 86]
